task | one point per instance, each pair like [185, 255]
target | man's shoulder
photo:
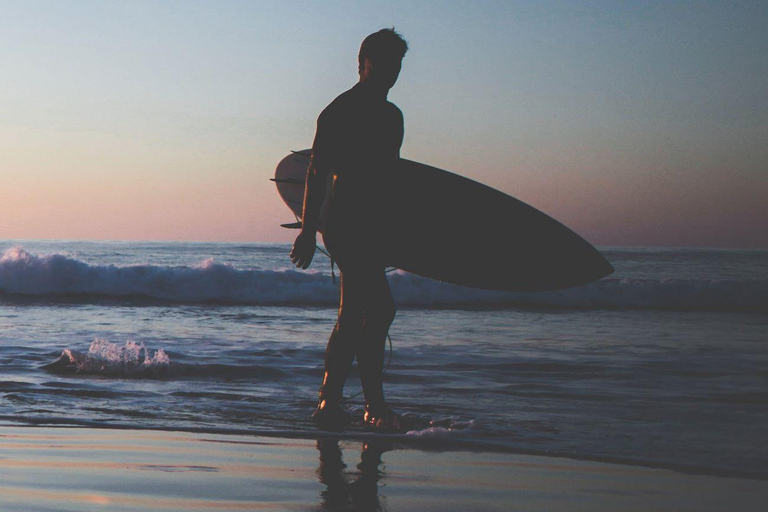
[395, 109]
[338, 107]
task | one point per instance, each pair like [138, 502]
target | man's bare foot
[331, 416]
[382, 419]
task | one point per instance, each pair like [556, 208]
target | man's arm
[314, 193]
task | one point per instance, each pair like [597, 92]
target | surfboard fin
[287, 181]
[292, 225]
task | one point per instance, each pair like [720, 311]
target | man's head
[381, 56]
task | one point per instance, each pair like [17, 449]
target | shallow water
[663, 363]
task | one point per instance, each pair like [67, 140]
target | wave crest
[56, 275]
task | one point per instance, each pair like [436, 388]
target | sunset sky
[633, 122]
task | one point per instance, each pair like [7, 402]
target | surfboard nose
[582, 266]
[603, 268]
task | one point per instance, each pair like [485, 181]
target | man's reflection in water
[360, 494]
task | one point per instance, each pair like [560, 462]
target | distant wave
[60, 277]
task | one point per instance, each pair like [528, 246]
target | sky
[635, 123]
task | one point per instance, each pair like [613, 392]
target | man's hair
[386, 43]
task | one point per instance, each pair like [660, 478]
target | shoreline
[422, 443]
[68, 468]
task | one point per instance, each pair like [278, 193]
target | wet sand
[79, 469]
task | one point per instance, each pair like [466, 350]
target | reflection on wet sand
[354, 490]
[70, 470]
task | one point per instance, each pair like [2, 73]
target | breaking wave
[60, 277]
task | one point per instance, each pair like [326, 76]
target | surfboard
[450, 228]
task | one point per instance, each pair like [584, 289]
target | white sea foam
[105, 357]
[441, 430]
[56, 275]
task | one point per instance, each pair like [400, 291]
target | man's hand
[304, 249]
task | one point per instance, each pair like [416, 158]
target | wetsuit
[358, 139]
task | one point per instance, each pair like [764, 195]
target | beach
[82, 469]
[163, 375]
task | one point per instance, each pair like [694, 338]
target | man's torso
[358, 139]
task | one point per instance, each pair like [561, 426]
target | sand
[79, 469]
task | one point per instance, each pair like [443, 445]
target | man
[358, 139]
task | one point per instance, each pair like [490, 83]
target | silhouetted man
[358, 139]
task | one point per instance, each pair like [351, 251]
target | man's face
[382, 72]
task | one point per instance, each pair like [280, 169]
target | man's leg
[340, 351]
[378, 313]
[366, 312]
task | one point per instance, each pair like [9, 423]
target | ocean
[663, 364]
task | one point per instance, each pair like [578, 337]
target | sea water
[664, 363]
